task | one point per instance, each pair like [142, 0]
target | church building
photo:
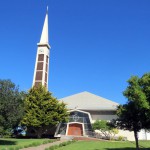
[84, 107]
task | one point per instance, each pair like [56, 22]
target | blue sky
[96, 45]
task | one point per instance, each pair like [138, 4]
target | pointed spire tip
[44, 35]
[47, 8]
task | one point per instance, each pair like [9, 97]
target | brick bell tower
[42, 58]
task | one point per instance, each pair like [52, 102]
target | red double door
[75, 129]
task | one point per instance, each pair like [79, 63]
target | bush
[120, 138]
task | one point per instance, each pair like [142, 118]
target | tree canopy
[105, 128]
[11, 106]
[42, 109]
[134, 115]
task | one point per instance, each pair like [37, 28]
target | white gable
[88, 101]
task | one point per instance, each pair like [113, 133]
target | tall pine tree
[42, 109]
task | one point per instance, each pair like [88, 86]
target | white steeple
[44, 35]
[41, 69]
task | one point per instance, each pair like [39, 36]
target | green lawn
[80, 145]
[11, 142]
[101, 145]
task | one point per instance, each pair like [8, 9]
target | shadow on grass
[7, 142]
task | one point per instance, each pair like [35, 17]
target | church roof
[88, 101]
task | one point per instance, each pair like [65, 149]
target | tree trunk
[39, 133]
[136, 140]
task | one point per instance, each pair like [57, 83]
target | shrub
[120, 138]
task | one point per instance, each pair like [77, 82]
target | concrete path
[42, 147]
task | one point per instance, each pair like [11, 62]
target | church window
[39, 75]
[40, 66]
[41, 57]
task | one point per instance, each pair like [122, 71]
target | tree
[11, 106]
[105, 128]
[129, 118]
[134, 115]
[42, 109]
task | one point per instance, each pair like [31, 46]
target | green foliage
[135, 92]
[134, 115]
[106, 128]
[138, 92]
[115, 131]
[11, 106]
[42, 109]
[120, 138]
[129, 117]
[101, 125]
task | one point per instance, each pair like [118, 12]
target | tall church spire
[44, 35]
[42, 57]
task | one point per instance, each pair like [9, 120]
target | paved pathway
[42, 147]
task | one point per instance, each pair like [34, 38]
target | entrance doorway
[75, 129]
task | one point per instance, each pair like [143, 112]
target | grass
[54, 147]
[104, 145]
[9, 143]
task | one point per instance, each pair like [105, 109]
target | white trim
[35, 68]
[57, 135]
[82, 112]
